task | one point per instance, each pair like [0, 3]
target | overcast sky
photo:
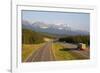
[79, 21]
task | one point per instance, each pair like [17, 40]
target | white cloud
[44, 27]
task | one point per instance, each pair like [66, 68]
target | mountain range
[53, 29]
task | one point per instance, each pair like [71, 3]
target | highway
[44, 53]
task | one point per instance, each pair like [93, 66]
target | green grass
[32, 37]
[65, 55]
[27, 49]
[61, 55]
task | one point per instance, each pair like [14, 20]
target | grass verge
[66, 55]
[27, 49]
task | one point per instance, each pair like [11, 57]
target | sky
[78, 21]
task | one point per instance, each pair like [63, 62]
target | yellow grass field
[28, 49]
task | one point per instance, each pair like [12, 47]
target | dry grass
[27, 49]
[61, 55]
[67, 55]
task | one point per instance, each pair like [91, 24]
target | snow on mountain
[57, 29]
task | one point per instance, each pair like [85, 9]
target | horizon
[79, 21]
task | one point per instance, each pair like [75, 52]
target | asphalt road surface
[82, 53]
[44, 53]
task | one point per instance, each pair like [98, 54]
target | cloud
[44, 27]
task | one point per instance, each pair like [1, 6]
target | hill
[32, 37]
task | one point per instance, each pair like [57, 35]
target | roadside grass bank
[62, 52]
[27, 49]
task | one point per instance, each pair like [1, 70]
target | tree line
[76, 39]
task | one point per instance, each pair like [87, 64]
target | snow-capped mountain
[56, 29]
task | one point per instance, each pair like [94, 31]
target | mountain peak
[59, 29]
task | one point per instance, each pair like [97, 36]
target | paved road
[84, 54]
[69, 45]
[44, 53]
